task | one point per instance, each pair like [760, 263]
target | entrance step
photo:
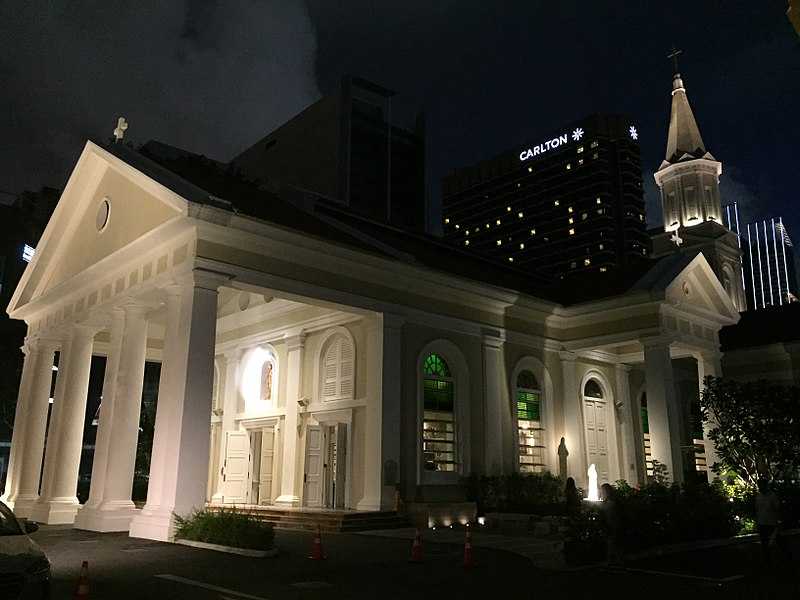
[329, 521]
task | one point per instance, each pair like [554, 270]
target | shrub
[226, 527]
[535, 493]
[653, 515]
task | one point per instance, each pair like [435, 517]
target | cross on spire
[674, 54]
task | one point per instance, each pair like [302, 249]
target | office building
[768, 270]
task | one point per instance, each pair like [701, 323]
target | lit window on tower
[520, 215]
[499, 242]
[447, 221]
[556, 202]
[587, 262]
[510, 259]
[572, 231]
[522, 246]
[497, 222]
[508, 209]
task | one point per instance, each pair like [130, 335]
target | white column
[30, 423]
[625, 410]
[664, 413]
[497, 406]
[382, 437]
[708, 364]
[573, 420]
[58, 503]
[179, 465]
[290, 472]
[103, 437]
[229, 388]
[116, 509]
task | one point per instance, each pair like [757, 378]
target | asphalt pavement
[359, 566]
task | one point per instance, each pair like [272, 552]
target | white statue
[593, 492]
[119, 132]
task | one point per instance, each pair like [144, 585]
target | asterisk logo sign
[633, 132]
[676, 239]
[577, 134]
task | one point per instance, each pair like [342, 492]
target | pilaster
[292, 461]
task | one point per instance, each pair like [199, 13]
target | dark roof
[776, 324]
[205, 181]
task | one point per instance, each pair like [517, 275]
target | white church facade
[315, 371]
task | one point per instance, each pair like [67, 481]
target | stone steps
[327, 521]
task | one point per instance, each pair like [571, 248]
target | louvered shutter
[330, 368]
[346, 361]
[338, 367]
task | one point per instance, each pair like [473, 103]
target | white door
[235, 467]
[267, 459]
[597, 436]
[313, 480]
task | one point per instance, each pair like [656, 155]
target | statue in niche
[266, 380]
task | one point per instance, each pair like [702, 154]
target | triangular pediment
[697, 289]
[106, 205]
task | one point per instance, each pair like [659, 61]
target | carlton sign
[544, 147]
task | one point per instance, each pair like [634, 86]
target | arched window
[438, 423]
[338, 367]
[529, 423]
[592, 389]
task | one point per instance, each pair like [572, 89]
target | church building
[317, 359]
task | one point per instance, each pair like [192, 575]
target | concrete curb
[230, 549]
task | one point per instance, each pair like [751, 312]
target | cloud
[211, 77]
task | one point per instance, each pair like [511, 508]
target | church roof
[683, 141]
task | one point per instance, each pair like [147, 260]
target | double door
[249, 466]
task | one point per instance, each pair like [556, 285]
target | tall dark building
[566, 203]
[346, 149]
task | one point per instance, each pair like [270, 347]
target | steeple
[683, 141]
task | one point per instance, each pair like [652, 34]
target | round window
[103, 213]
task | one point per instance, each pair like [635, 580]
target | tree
[755, 427]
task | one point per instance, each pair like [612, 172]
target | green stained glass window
[435, 365]
[527, 405]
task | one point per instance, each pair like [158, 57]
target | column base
[59, 511]
[287, 500]
[371, 504]
[153, 524]
[106, 517]
[21, 505]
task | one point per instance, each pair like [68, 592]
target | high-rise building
[567, 203]
[688, 179]
[768, 270]
[347, 149]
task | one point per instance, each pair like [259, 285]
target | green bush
[226, 527]
[533, 493]
[653, 515]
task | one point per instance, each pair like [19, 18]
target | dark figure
[572, 498]
[613, 521]
[767, 516]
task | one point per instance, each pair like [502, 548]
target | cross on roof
[674, 54]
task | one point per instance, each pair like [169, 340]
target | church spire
[684, 135]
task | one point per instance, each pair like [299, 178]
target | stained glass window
[529, 427]
[438, 425]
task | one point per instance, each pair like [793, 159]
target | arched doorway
[595, 411]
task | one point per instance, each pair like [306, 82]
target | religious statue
[266, 381]
[594, 496]
[563, 453]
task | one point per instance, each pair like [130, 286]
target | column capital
[203, 279]
[295, 340]
[85, 330]
[494, 338]
[567, 355]
[656, 341]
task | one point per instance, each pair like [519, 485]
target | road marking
[713, 580]
[208, 586]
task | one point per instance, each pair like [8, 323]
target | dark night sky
[213, 78]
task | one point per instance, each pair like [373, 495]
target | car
[24, 567]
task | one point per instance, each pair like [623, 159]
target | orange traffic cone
[316, 546]
[416, 548]
[468, 561]
[82, 590]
